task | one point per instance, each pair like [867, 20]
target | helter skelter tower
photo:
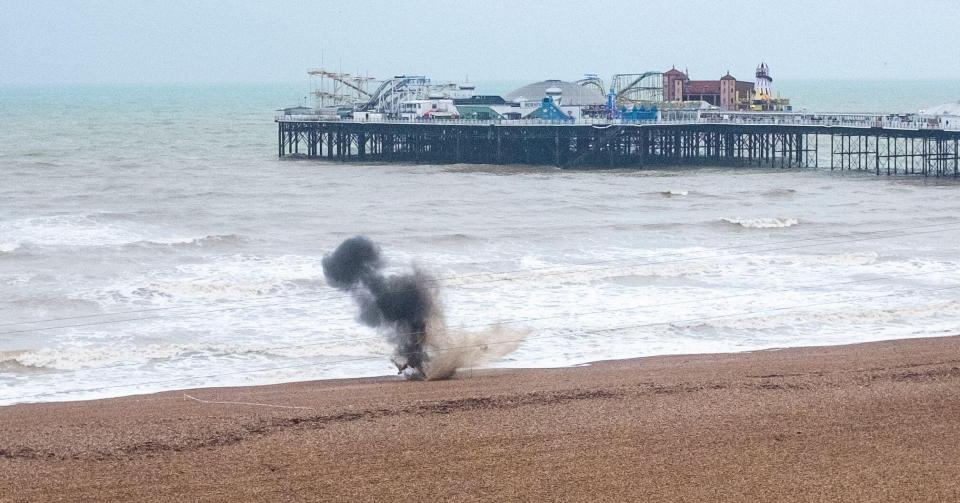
[763, 88]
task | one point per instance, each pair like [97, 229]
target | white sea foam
[79, 231]
[762, 223]
[223, 278]
[853, 314]
[64, 230]
[130, 354]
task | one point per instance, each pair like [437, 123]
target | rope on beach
[246, 403]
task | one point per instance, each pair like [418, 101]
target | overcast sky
[44, 41]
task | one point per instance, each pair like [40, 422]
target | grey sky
[45, 41]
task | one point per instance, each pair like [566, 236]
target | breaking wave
[869, 318]
[223, 278]
[210, 241]
[101, 230]
[762, 223]
[10, 361]
[451, 238]
[779, 192]
[81, 357]
[64, 230]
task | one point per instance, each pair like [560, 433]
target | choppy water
[149, 240]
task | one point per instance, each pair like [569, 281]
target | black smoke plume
[404, 307]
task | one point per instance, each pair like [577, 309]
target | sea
[150, 239]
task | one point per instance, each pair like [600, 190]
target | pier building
[946, 115]
[574, 99]
[726, 93]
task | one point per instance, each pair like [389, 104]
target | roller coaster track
[387, 97]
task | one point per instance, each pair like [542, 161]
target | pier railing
[890, 144]
[786, 119]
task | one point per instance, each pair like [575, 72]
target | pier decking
[859, 143]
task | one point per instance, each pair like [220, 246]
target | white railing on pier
[772, 119]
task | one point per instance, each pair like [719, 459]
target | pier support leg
[499, 147]
[556, 149]
[280, 139]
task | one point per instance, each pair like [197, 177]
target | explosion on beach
[406, 309]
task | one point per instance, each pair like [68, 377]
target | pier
[876, 144]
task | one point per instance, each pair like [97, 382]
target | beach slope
[867, 422]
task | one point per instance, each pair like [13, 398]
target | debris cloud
[406, 309]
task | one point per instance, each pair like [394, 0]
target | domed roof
[944, 109]
[573, 94]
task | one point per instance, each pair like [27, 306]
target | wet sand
[869, 422]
